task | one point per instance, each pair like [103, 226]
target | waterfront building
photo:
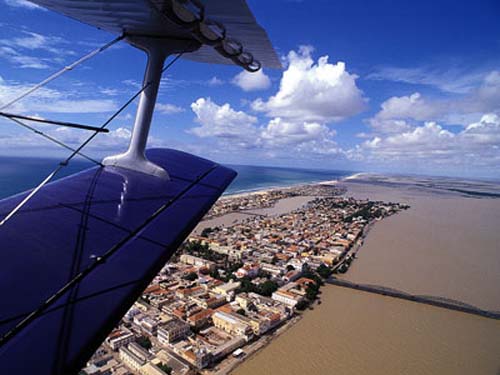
[199, 358]
[228, 347]
[290, 299]
[231, 323]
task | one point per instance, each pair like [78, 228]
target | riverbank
[230, 364]
[353, 333]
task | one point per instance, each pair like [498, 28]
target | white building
[119, 338]
[173, 330]
[289, 299]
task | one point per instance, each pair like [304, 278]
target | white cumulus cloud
[168, 108]
[312, 91]
[281, 132]
[430, 145]
[221, 120]
[398, 111]
[252, 81]
[235, 130]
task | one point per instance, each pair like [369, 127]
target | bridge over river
[437, 301]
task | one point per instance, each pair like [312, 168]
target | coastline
[270, 188]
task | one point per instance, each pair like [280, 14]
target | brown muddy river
[444, 245]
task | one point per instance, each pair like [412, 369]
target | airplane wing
[140, 17]
[78, 255]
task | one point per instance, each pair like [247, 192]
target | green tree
[206, 232]
[165, 368]
[302, 305]
[192, 276]
[268, 288]
[324, 271]
[145, 342]
[215, 274]
[311, 292]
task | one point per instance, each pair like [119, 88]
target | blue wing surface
[61, 232]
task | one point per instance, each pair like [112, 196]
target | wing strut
[157, 50]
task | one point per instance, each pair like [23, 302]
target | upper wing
[79, 254]
[139, 17]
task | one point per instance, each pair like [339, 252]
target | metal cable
[52, 139]
[52, 122]
[62, 71]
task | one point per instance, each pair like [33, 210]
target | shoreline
[259, 345]
[290, 242]
[265, 189]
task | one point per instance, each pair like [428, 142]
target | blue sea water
[252, 178]
[20, 174]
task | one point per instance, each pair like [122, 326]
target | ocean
[19, 174]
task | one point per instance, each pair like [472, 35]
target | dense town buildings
[232, 285]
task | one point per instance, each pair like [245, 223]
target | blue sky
[390, 86]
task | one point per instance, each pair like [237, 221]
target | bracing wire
[62, 71]
[85, 143]
[52, 139]
[52, 122]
